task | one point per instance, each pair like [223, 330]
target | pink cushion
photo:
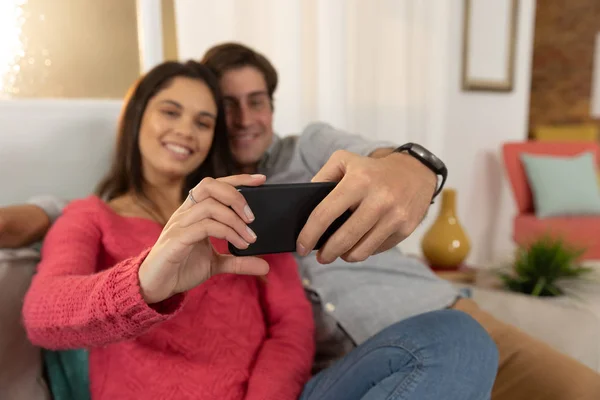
[580, 231]
[516, 172]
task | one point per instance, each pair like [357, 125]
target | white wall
[476, 124]
[390, 70]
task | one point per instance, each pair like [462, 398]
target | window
[68, 48]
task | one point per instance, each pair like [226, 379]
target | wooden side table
[463, 274]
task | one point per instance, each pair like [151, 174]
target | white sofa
[54, 147]
[62, 148]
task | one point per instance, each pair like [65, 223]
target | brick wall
[563, 56]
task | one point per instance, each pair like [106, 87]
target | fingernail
[257, 176]
[300, 250]
[249, 213]
[251, 232]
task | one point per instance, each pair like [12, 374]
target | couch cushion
[563, 185]
[579, 231]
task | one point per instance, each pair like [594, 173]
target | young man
[390, 192]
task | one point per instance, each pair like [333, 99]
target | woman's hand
[183, 256]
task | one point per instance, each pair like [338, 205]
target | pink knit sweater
[233, 337]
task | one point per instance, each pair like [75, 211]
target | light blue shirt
[364, 297]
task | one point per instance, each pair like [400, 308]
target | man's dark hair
[228, 56]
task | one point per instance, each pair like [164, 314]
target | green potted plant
[539, 267]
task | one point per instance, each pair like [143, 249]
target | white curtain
[375, 67]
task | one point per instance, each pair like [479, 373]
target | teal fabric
[563, 186]
[67, 372]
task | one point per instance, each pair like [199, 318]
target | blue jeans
[442, 354]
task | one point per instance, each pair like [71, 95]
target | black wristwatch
[429, 160]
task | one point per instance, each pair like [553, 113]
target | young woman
[134, 275]
[140, 276]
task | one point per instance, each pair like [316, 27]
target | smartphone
[280, 212]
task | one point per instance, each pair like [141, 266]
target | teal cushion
[67, 372]
[563, 185]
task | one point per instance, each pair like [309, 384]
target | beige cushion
[569, 328]
[20, 362]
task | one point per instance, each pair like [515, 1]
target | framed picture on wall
[489, 41]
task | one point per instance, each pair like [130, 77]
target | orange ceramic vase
[446, 245]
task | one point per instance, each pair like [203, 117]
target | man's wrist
[430, 177]
[382, 152]
[420, 158]
[429, 160]
[407, 159]
[22, 225]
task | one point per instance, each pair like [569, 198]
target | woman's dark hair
[125, 174]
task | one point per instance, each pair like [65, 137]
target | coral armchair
[581, 231]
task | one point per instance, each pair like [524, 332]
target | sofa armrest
[20, 362]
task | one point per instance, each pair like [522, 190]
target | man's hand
[389, 197]
[22, 225]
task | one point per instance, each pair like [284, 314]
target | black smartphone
[280, 212]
